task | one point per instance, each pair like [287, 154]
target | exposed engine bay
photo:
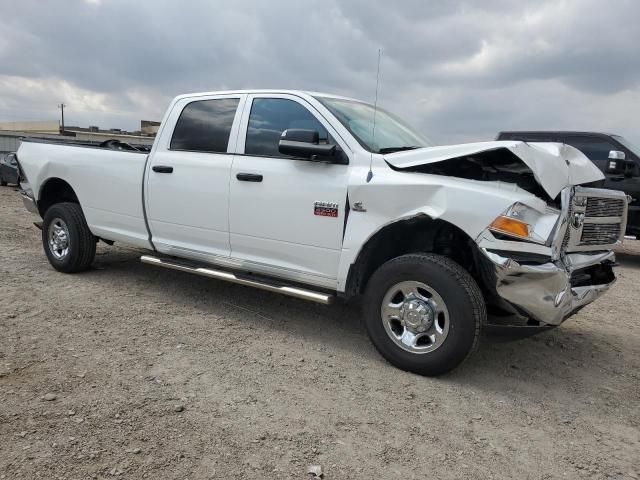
[492, 165]
[534, 167]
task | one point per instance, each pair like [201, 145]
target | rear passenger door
[187, 194]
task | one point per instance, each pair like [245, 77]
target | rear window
[205, 126]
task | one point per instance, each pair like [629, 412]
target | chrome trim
[577, 219]
[605, 220]
[562, 225]
[26, 192]
[543, 291]
[296, 292]
[248, 266]
[59, 240]
[419, 322]
[487, 240]
[576, 261]
[29, 202]
[358, 207]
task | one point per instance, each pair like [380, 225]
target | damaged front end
[546, 284]
[542, 259]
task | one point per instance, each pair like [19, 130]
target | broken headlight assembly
[525, 223]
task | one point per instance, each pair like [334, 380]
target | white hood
[554, 165]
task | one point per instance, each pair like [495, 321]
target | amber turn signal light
[510, 226]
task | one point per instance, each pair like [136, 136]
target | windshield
[627, 144]
[391, 134]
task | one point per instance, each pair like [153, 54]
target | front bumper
[548, 283]
[547, 292]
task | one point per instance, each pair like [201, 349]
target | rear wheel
[68, 243]
[423, 313]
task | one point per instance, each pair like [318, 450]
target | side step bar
[297, 292]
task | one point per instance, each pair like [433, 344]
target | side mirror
[304, 143]
[617, 163]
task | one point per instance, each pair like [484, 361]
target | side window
[595, 149]
[270, 117]
[205, 126]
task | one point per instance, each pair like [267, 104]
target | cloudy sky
[458, 70]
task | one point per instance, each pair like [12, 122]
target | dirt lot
[159, 374]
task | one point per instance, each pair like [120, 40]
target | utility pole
[61, 107]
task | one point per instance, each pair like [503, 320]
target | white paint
[202, 211]
[108, 184]
[273, 221]
[188, 210]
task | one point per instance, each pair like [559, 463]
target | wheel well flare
[417, 234]
[55, 190]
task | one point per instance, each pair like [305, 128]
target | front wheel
[423, 313]
[69, 244]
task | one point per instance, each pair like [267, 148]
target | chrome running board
[263, 284]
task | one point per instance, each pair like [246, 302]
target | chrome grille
[604, 207]
[595, 219]
[567, 235]
[600, 233]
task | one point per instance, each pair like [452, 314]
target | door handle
[249, 177]
[162, 169]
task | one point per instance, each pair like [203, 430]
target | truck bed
[114, 145]
[107, 182]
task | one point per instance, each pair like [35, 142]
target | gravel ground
[129, 371]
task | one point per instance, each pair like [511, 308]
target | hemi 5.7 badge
[325, 209]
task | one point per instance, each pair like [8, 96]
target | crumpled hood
[554, 165]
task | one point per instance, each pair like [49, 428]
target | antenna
[375, 111]
[61, 107]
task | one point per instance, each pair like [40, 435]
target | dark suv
[618, 159]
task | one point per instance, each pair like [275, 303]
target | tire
[3, 183]
[437, 325]
[63, 226]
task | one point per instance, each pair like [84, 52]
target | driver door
[274, 221]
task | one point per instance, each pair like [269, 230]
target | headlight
[525, 223]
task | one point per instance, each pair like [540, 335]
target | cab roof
[299, 93]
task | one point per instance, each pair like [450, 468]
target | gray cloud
[459, 70]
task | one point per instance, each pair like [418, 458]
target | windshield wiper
[397, 149]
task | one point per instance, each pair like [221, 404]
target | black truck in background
[618, 159]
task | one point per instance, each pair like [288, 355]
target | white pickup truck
[306, 195]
